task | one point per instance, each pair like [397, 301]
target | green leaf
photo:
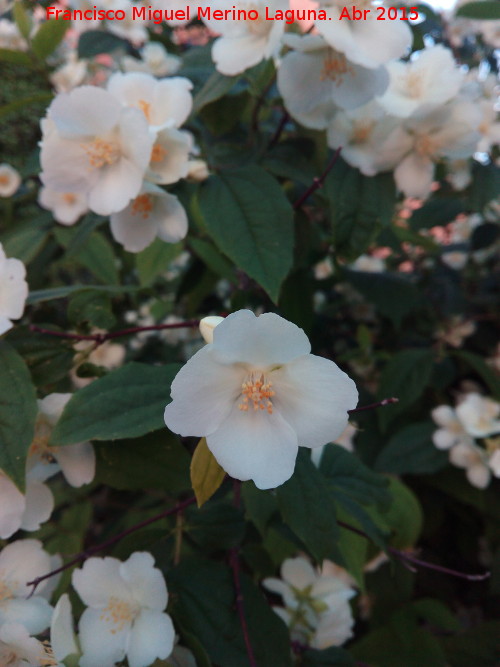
[484, 371]
[15, 58]
[204, 605]
[216, 526]
[330, 657]
[37, 296]
[17, 105]
[404, 515]
[405, 377]
[95, 253]
[485, 10]
[154, 461]
[48, 37]
[206, 474]
[260, 505]
[94, 308]
[251, 221]
[215, 87]
[23, 19]
[94, 42]
[437, 212]
[154, 260]
[18, 411]
[478, 647]
[485, 184]
[25, 239]
[308, 508]
[411, 451]
[215, 261]
[126, 403]
[393, 295]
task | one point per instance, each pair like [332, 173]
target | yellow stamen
[142, 205]
[69, 198]
[145, 107]
[101, 153]
[335, 67]
[158, 153]
[257, 393]
[119, 613]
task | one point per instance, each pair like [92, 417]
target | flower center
[142, 205]
[413, 81]
[101, 153]
[335, 67]
[40, 444]
[425, 146]
[361, 132]
[4, 179]
[69, 198]
[256, 391]
[6, 590]
[47, 659]
[158, 153]
[119, 613]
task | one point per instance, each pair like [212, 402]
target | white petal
[172, 221]
[298, 572]
[233, 55]
[103, 644]
[444, 415]
[87, 110]
[255, 445]
[77, 462]
[116, 186]
[314, 395]
[414, 176]
[172, 101]
[146, 582]
[34, 613]
[12, 506]
[444, 439]
[152, 636]
[478, 475]
[203, 394]
[25, 647]
[22, 561]
[62, 636]
[52, 406]
[134, 234]
[261, 341]
[98, 580]
[39, 505]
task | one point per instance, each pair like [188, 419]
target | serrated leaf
[206, 473]
[126, 403]
[154, 260]
[405, 378]
[251, 221]
[48, 37]
[18, 411]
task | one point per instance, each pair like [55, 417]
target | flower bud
[207, 326]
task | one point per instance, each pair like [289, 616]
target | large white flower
[13, 290]
[77, 462]
[125, 612]
[20, 562]
[256, 394]
[317, 608]
[93, 145]
[26, 511]
[244, 43]
[153, 213]
[431, 78]
[314, 80]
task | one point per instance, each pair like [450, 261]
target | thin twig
[318, 182]
[101, 338]
[234, 563]
[409, 560]
[379, 404]
[83, 555]
[281, 126]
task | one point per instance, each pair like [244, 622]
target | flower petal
[152, 636]
[77, 462]
[103, 643]
[145, 581]
[39, 505]
[98, 580]
[34, 614]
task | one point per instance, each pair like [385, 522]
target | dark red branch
[371, 406]
[83, 555]
[318, 182]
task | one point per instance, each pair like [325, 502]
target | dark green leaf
[18, 410]
[484, 10]
[94, 42]
[62, 292]
[215, 261]
[48, 37]
[411, 451]
[17, 105]
[251, 221]
[15, 57]
[215, 87]
[484, 371]
[217, 525]
[259, 505]
[91, 307]
[437, 212]
[127, 403]
[330, 657]
[25, 239]
[154, 260]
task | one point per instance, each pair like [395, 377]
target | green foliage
[127, 403]
[48, 37]
[18, 411]
[411, 451]
[250, 220]
[485, 9]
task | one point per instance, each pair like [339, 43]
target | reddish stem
[318, 182]
[83, 555]
[371, 406]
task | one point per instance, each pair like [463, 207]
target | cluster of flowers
[471, 434]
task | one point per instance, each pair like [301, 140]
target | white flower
[20, 562]
[77, 462]
[93, 145]
[368, 264]
[452, 431]
[155, 60]
[431, 78]
[368, 42]
[153, 213]
[455, 331]
[69, 75]
[479, 415]
[244, 44]
[66, 207]
[170, 156]
[10, 180]
[256, 394]
[13, 290]
[165, 103]
[125, 612]
[314, 80]
[27, 511]
[317, 608]
[18, 649]
[475, 461]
